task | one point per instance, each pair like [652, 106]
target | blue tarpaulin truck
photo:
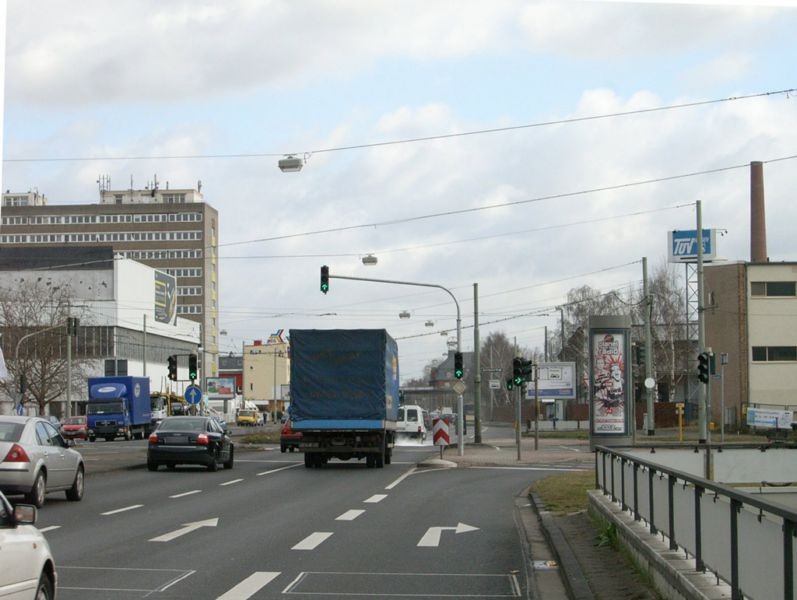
[119, 406]
[344, 394]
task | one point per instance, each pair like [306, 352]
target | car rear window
[412, 414]
[182, 424]
[75, 421]
[11, 432]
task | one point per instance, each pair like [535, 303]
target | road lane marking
[431, 539]
[173, 581]
[375, 498]
[296, 581]
[574, 469]
[571, 449]
[291, 466]
[50, 528]
[312, 541]
[231, 482]
[185, 494]
[250, 586]
[400, 479]
[350, 515]
[186, 528]
[119, 510]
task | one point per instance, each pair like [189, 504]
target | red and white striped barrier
[440, 429]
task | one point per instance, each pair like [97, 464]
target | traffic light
[192, 367]
[510, 384]
[702, 367]
[325, 279]
[459, 370]
[642, 355]
[173, 367]
[517, 370]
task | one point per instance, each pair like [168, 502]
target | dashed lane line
[313, 541]
[186, 494]
[350, 515]
[121, 510]
[291, 466]
[375, 498]
[50, 528]
[231, 482]
[250, 586]
[400, 479]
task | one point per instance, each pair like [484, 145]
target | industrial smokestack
[758, 221]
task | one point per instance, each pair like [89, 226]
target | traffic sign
[440, 435]
[193, 394]
[459, 387]
[495, 384]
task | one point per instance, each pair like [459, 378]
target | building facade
[173, 231]
[266, 372]
[751, 316]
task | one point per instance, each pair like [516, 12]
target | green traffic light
[458, 374]
[518, 380]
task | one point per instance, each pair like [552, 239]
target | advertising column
[610, 395]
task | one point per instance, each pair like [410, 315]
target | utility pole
[68, 411]
[518, 415]
[477, 379]
[648, 312]
[144, 349]
[546, 344]
[701, 326]
[536, 407]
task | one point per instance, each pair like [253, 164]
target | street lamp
[370, 260]
[404, 314]
[290, 164]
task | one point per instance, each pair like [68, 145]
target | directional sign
[440, 429]
[431, 539]
[186, 528]
[193, 394]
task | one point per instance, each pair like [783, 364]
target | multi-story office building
[171, 230]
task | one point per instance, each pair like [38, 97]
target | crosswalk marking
[250, 586]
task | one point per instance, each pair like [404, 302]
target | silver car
[35, 460]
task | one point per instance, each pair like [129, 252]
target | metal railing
[728, 532]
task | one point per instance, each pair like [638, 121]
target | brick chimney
[758, 221]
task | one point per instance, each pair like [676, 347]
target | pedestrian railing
[743, 539]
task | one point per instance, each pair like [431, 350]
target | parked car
[55, 422]
[190, 440]
[27, 569]
[37, 460]
[246, 417]
[289, 439]
[75, 428]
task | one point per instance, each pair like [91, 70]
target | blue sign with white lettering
[683, 245]
[193, 394]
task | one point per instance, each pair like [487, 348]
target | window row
[161, 254]
[774, 353]
[187, 272]
[130, 236]
[189, 290]
[189, 309]
[773, 288]
[192, 217]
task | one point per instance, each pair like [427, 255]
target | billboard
[221, 387]
[682, 245]
[165, 297]
[555, 380]
[609, 381]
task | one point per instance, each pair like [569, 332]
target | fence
[707, 520]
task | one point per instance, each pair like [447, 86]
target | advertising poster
[609, 382]
[165, 297]
[221, 387]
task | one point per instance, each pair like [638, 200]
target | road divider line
[185, 494]
[173, 581]
[313, 541]
[231, 482]
[375, 498]
[295, 582]
[250, 586]
[120, 510]
[294, 465]
[50, 528]
[350, 515]
[400, 479]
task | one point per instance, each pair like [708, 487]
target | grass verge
[267, 437]
[565, 493]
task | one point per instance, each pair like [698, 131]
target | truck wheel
[369, 461]
[308, 462]
[92, 439]
[282, 448]
[109, 438]
[388, 455]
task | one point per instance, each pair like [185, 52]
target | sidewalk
[564, 559]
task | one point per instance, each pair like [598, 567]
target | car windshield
[11, 432]
[75, 421]
[247, 413]
[104, 408]
[182, 425]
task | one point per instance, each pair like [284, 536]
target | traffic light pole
[460, 401]
[701, 326]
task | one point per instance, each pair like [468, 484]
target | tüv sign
[682, 245]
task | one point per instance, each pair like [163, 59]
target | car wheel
[292, 448]
[109, 438]
[92, 439]
[45, 590]
[38, 491]
[229, 463]
[75, 493]
[213, 465]
[152, 466]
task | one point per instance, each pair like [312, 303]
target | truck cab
[118, 406]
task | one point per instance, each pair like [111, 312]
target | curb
[572, 575]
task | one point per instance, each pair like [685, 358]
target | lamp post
[22, 339]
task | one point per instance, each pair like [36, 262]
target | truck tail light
[17, 454]
[202, 439]
[153, 438]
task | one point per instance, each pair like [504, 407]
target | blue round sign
[192, 394]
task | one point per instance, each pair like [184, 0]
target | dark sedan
[190, 441]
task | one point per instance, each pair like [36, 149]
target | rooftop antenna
[198, 185]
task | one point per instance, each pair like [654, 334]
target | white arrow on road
[432, 536]
[186, 528]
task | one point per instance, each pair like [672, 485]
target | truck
[119, 406]
[166, 404]
[344, 394]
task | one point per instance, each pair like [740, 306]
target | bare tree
[668, 316]
[37, 312]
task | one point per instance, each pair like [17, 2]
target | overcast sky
[138, 78]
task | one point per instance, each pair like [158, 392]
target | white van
[413, 420]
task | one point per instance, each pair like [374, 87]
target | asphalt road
[272, 529]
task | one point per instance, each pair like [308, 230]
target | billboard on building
[165, 297]
[221, 387]
[682, 245]
[555, 380]
[609, 381]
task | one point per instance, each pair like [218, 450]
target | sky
[97, 88]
